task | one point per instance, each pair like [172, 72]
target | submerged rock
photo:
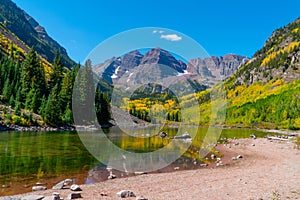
[186, 135]
[162, 134]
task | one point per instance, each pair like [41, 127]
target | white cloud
[171, 37]
[157, 31]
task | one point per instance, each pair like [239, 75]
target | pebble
[125, 194]
[140, 173]
[212, 156]
[75, 187]
[32, 197]
[58, 186]
[111, 176]
[39, 188]
[176, 168]
[74, 196]
[141, 198]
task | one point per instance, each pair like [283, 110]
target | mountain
[124, 69]
[163, 57]
[265, 91]
[262, 92]
[216, 68]
[31, 32]
[278, 59]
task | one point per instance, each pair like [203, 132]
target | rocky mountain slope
[31, 32]
[210, 70]
[278, 59]
[264, 92]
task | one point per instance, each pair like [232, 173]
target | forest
[40, 95]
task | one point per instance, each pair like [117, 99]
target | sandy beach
[269, 169]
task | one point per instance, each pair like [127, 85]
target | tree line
[26, 86]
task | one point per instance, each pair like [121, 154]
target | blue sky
[221, 27]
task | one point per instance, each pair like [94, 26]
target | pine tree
[57, 74]
[7, 90]
[43, 107]
[66, 91]
[12, 101]
[30, 64]
[53, 109]
[68, 116]
[84, 95]
[32, 77]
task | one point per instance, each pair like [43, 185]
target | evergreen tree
[66, 91]
[84, 95]
[53, 109]
[33, 76]
[57, 74]
[68, 116]
[43, 107]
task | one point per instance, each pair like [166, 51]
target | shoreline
[17, 128]
[274, 164]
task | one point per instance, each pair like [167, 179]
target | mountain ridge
[31, 32]
[214, 68]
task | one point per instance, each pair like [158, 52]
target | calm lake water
[30, 157]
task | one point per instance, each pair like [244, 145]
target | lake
[49, 157]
